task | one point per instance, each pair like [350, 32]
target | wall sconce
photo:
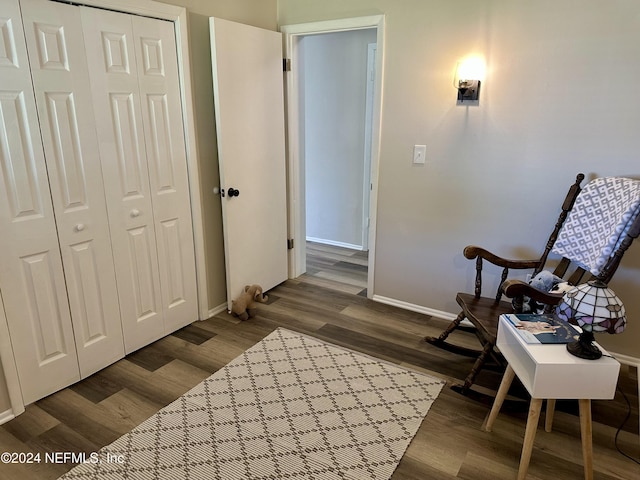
[467, 80]
[468, 90]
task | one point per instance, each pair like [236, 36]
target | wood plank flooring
[329, 302]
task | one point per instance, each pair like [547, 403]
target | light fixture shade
[467, 79]
[594, 307]
[471, 68]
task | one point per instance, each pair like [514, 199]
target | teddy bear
[245, 305]
[544, 281]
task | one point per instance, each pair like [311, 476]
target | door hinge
[286, 64]
[289, 243]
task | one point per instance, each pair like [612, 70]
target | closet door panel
[157, 63]
[113, 72]
[31, 275]
[141, 251]
[61, 83]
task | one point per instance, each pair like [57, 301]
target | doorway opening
[336, 73]
[333, 109]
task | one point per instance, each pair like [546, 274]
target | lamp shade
[594, 307]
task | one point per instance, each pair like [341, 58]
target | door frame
[177, 15]
[295, 166]
[368, 129]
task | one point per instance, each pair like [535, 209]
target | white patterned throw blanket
[290, 407]
[598, 222]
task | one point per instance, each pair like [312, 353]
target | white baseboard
[626, 359]
[6, 416]
[415, 308]
[335, 243]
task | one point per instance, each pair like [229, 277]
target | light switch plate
[419, 154]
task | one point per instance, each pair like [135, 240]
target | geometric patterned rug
[290, 407]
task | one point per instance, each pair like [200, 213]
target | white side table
[548, 371]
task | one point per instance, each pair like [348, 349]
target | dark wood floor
[329, 302]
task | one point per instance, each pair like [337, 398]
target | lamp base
[584, 347]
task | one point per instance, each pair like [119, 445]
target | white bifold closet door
[68, 128]
[134, 79]
[96, 242]
[31, 275]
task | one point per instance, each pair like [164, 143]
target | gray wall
[334, 68]
[553, 103]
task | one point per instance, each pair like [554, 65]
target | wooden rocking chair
[483, 312]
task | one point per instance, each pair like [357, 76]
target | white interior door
[249, 107]
[61, 83]
[111, 57]
[31, 276]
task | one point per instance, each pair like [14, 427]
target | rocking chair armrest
[473, 251]
[513, 288]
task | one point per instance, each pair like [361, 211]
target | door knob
[134, 213]
[79, 227]
[233, 192]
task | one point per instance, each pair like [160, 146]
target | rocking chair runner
[484, 312]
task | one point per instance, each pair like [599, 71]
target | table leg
[529, 435]
[585, 432]
[500, 396]
[548, 417]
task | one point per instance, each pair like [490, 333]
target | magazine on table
[542, 328]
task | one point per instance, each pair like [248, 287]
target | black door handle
[233, 192]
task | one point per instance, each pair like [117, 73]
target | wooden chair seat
[479, 311]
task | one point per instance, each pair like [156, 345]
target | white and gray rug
[290, 407]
